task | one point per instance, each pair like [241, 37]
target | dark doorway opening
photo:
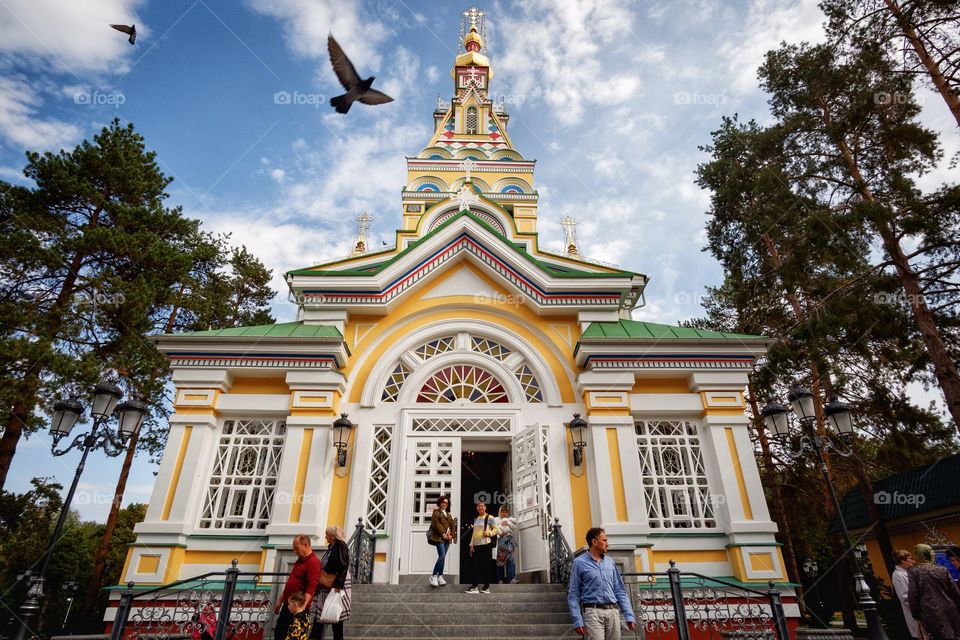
[482, 476]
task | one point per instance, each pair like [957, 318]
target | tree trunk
[880, 525]
[171, 321]
[9, 440]
[100, 560]
[939, 81]
[944, 368]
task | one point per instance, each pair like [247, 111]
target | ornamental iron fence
[220, 605]
[679, 605]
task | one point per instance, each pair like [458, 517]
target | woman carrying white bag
[333, 593]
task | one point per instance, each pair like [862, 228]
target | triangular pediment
[463, 282]
[376, 288]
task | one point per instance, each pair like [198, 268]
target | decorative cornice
[668, 361]
[463, 242]
[259, 360]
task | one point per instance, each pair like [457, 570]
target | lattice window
[548, 498]
[462, 382]
[490, 348]
[674, 478]
[435, 347]
[244, 476]
[432, 476]
[497, 425]
[379, 488]
[392, 389]
[530, 384]
[472, 126]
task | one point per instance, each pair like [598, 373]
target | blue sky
[611, 97]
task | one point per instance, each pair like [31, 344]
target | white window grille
[379, 488]
[548, 497]
[674, 478]
[432, 476]
[472, 120]
[530, 384]
[244, 475]
[497, 425]
[435, 347]
[488, 347]
[391, 391]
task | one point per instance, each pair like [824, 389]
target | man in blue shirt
[596, 586]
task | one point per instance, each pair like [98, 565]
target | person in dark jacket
[934, 598]
[335, 560]
[443, 528]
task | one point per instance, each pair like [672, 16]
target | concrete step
[476, 607]
[446, 595]
[426, 588]
[428, 617]
[480, 628]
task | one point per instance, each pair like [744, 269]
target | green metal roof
[922, 490]
[553, 270]
[632, 329]
[280, 330]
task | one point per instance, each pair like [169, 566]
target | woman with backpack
[441, 535]
[482, 542]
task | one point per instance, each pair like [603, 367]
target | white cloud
[307, 23]
[768, 23]
[72, 37]
[19, 123]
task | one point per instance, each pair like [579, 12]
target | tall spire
[570, 235]
[473, 20]
[363, 228]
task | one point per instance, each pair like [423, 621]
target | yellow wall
[908, 541]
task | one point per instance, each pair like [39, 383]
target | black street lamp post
[839, 415]
[65, 415]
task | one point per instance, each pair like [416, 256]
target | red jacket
[304, 576]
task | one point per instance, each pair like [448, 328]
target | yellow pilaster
[177, 469]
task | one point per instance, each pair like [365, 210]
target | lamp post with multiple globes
[66, 413]
[839, 415]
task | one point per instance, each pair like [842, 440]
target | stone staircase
[508, 612]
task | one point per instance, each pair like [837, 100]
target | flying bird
[130, 31]
[357, 89]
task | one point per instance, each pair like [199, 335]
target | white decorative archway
[421, 370]
[445, 210]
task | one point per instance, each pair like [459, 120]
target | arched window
[472, 126]
[462, 382]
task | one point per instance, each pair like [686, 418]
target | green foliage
[91, 263]
[807, 215]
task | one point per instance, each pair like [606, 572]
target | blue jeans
[508, 571]
[442, 556]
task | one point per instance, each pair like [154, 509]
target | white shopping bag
[332, 608]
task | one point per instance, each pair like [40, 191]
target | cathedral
[466, 360]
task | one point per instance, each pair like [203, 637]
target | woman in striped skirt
[336, 560]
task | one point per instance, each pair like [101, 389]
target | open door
[530, 500]
[432, 468]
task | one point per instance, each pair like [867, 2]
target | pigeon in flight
[130, 31]
[357, 89]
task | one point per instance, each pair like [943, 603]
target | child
[300, 627]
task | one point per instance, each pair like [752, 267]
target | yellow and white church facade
[460, 356]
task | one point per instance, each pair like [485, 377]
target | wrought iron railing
[363, 553]
[674, 603]
[237, 603]
[235, 608]
[561, 556]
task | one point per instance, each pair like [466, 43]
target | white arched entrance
[445, 395]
